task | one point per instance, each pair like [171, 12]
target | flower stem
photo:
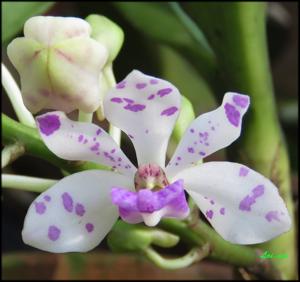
[192, 256]
[27, 183]
[13, 131]
[108, 73]
[15, 96]
[85, 117]
[10, 153]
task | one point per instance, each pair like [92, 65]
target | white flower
[76, 214]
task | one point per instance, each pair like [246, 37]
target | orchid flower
[75, 214]
[59, 64]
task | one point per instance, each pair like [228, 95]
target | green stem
[15, 96]
[13, 131]
[192, 256]
[85, 117]
[28, 183]
[108, 73]
[10, 153]
[237, 33]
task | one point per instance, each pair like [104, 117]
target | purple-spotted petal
[148, 206]
[73, 140]
[210, 132]
[146, 109]
[78, 215]
[242, 205]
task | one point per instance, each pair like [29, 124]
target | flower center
[150, 176]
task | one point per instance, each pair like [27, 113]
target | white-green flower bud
[59, 64]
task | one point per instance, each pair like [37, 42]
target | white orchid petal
[146, 109]
[71, 140]
[210, 132]
[75, 214]
[242, 205]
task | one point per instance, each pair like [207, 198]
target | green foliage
[15, 14]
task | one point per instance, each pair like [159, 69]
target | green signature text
[268, 255]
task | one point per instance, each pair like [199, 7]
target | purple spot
[119, 159]
[98, 153]
[67, 201]
[95, 147]
[202, 153]
[241, 100]
[192, 130]
[112, 151]
[243, 171]
[121, 84]
[176, 164]
[232, 114]
[47, 198]
[272, 215]
[128, 100]
[212, 128]
[178, 158]
[222, 211]
[116, 100]
[98, 131]
[135, 107]
[140, 85]
[49, 124]
[53, 232]
[248, 201]
[209, 214]
[191, 150]
[40, 207]
[206, 144]
[212, 202]
[94, 139]
[89, 227]
[85, 141]
[153, 81]
[169, 111]
[147, 131]
[163, 92]
[79, 209]
[209, 121]
[151, 97]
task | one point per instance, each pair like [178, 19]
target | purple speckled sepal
[168, 202]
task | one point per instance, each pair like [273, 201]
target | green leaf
[14, 15]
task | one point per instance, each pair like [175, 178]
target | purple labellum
[164, 92]
[272, 215]
[121, 84]
[135, 107]
[79, 209]
[243, 171]
[222, 211]
[67, 201]
[40, 207]
[53, 233]
[49, 124]
[116, 100]
[241, 101]
[233, 115]
[169, 111]
[89, 227]
[140, 85]
[209, 214]
[153, 81]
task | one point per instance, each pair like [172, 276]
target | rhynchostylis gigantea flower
[76, 213]
[59, 64]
